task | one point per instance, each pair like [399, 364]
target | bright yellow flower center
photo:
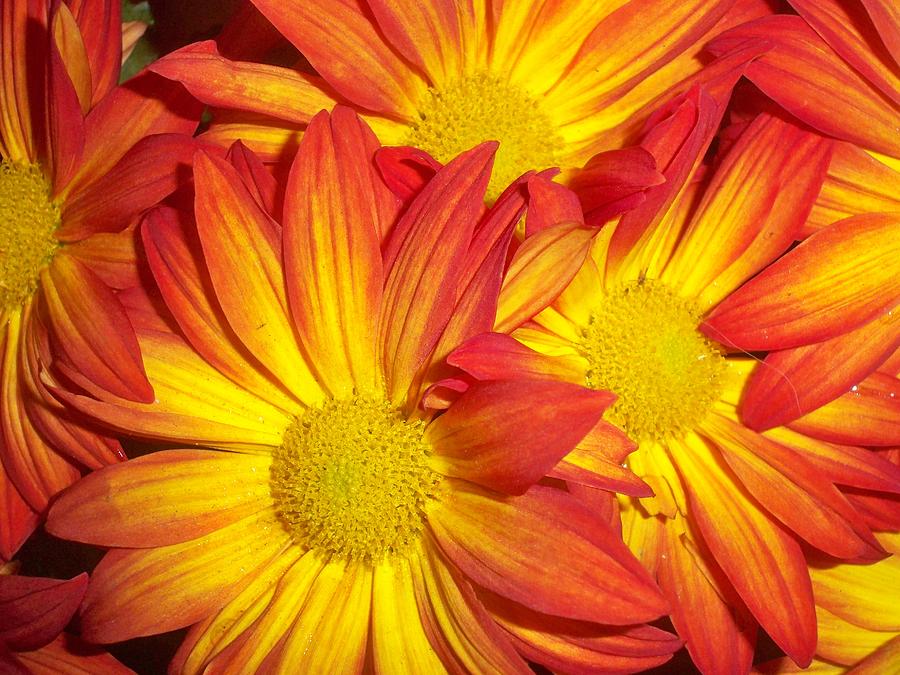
[482, 107]
[351, 478]
[642, 344]
[28, 220]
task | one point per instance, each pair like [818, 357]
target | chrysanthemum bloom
[836, 71]
[33, 613]
[76, 168]
[722, 532]
[555, 83]
[356, 526]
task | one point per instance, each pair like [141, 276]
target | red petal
[406, 170]
[34, 610]
[504, 434]
[495, 356]
[501, 545]
[550, 204]
[101, 30]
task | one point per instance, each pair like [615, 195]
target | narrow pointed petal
[130, 505]
[502, 434]
[65, 117]
[332, 250]
[794, 382]
[540, 270]
[423, 261]
[257, 177]
[749, 215]
[763, 562]
[801, 73]
[344, 45]
[868, 414]
[834, 281]
[576, 646]
[125, 598]
[493, 543]
[242, 248]
[719, 637]
[34, 610]
[147, 174]
[91, 329]
[101, 30]
[456, 620]
[20, 57]
[790, 489]
[283, 93]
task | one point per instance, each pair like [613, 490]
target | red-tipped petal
[495, 356]
[550, 203]
[499, 544]
[506, 435]
[834, 281]
[101, 30]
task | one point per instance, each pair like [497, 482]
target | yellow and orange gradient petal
[350, 515]
[554, 82]
[731, 508]
[77, 166]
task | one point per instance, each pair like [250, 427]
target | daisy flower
[555, 83]
[357, 527]
[730, 507]
[80, 159]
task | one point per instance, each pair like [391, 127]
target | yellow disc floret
[351, 479]
[642, 343]
[28, 220]
[482, 107]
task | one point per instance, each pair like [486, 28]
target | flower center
[482, 107]
[642, 344]
[351, 478]
[28, 220]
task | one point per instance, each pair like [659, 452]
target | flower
[555, 83]
[348, 515]
[79, 160]
[729, 507]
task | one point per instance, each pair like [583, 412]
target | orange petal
[834, 281]
[147, 174]
[335, 209]
[174, 252]
[719, 636]
[423, 261]
[456, 621]
[100, 24]
[17, 519]
[145, 105]
[270, 139]
[35, 468]
[569, 646]
[856, 183]
[540, 270]
[242, 249]
[494, 542]
[503, 434]
[136, 592]
[257, 177]
[789, 488]
[162, 498]
[92, 331]
[495, 356]
[550, 203]
[428, 34]
[111, 256]
[194, 403]
[749, 215]
[70, 655]
[762, 561]
[868, 414]
[279, 92]
[65, 116]
[801, 73]
[794, 382]
[848, 31]
[886, 18]
[344, 45]
[34, 610]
